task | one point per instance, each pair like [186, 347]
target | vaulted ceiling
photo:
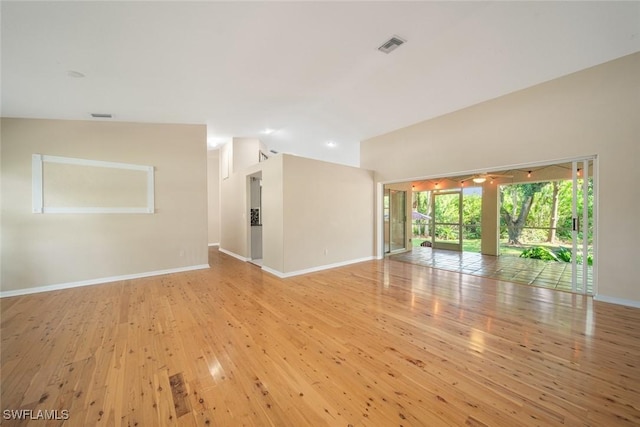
[308, 71]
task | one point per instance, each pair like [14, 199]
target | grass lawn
[505, 250]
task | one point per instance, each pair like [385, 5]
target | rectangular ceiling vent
[101, 116]
[391, 44]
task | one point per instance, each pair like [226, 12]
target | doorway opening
[532, 225]
[255, 218]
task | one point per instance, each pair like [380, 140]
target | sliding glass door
[395, 220]
[582, 227]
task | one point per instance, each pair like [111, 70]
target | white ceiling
[309, 70]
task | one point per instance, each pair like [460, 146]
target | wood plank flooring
[379, 343]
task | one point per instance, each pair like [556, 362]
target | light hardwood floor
[379, 343]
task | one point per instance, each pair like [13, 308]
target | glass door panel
[397, 219]
[582, 227]
[386, 214]
[446, 232]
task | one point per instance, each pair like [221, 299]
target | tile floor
[547, 274]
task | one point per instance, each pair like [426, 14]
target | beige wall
[314, 214]
[233, 214]
[245, 153]
[328, 213]
[273, 213]
[592, 112]
[213, 190]
[489, 223]
[52, 249]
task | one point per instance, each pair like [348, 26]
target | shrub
[539, 252]
[563, 254]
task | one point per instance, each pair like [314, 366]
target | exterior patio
[546, 274]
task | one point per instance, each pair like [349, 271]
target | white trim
[214, 244]
[151, 190]
[95, 163]
[379, 218]
[615, 300]
[490, 169]
[274, 272]
[61, 286]
[240, 257]
[37, 185]
[96, 210]
[315, 269]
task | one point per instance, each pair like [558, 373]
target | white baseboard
[99, 281]
[314, 269]
[240, 257]
[214, 244]
[619, 301]
[274, 272]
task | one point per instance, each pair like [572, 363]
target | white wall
[42, 250]
[592, 112]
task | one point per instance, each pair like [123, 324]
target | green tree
[516, 201]
[565, 197]
[471, 215]
[422, 204]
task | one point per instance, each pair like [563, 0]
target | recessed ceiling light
[75, 74]
[331, 144]
[215, 141]
[268, 131]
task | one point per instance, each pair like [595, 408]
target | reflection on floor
[547, 274]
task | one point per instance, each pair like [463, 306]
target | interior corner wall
[591, 112]
[234, 210]
[58, 249]
[246, 153]
[233, 215]
[213, 190]
[273, 214]
[328, 214]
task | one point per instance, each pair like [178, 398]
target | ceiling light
[101, 115]
[479, 179]
[268, 131]
[331, 144]
[214, 142]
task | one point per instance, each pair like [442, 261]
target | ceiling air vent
[391, 44]
[101, 116]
